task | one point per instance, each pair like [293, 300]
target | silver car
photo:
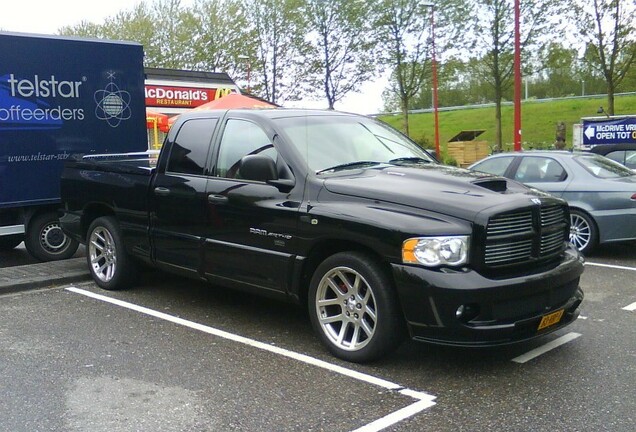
[601, 193]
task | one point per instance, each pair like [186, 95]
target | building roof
[188, 76]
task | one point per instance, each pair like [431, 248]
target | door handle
[217, 199]
[162, 191]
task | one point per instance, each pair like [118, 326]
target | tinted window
[241, 138]
[630, 159]
[190, 148]
[496, 166]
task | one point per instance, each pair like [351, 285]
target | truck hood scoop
[493, 184]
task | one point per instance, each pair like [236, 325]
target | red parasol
[230, 101]
[235, 100]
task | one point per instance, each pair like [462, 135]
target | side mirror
[257, 168]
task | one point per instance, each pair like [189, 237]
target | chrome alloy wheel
[103, 255]
[346, 309]
[580, 232]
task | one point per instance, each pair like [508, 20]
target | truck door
[251, 225]
[179, 216]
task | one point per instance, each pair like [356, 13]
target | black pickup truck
[337, 212]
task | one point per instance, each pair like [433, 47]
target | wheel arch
[587, 213]
[596, 239]
[92, 212]
[326, 248]
[32, 212]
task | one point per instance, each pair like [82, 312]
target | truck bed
[117, 182]
[139, 163]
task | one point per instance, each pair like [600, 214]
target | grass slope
[538, 120]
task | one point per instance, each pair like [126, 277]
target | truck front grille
[526, 235]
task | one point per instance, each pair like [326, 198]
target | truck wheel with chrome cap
[354, 308]
[110, 265]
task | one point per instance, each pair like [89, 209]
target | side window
[189, 151]
[241, 138]
[554, 172]
[539, 170]
[496, 166]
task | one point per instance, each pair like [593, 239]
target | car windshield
[333, 143]
[603, 167]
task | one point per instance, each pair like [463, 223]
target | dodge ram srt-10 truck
[337, 212]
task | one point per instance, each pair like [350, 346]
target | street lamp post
[249, 67]
[434, 72]
[517, 68]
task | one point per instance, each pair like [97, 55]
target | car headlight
[436, 251]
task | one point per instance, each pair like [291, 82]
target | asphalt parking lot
[176, 355]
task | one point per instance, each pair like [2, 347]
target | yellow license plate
[550, 319]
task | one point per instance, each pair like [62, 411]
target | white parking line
[631, 307]
[617, 267]
[424, 400]
[396, 417]
[545, 348]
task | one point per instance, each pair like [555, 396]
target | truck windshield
[333, 143]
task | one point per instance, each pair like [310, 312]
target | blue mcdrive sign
[609, 131]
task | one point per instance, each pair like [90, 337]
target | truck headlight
[436, 251]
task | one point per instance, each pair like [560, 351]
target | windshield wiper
[348, 165]
[413, 159]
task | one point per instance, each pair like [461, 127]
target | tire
[583, 231]
[354, 309]
[110, 265]
[9, 242]
[45, 239]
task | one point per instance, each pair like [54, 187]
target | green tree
[164, 29]
[607, 29]
[492, 41]
[173, 33]
[83, 29]
[558, 74]
[222, 40]
[279, 29]
[343, 46]
[404, 27]
[458, 85]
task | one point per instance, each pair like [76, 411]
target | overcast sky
[47, 16]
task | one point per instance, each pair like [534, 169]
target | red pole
[434, 67]
[517, 67]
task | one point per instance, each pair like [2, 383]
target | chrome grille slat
[510, 224]
[505, 252]
[552, 215]
[518, 237]
[552, 242]
[505, 248]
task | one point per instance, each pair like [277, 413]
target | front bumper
[496, 311]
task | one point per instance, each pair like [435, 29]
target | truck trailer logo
[113, 104]
[22, 104]
[44, 102]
